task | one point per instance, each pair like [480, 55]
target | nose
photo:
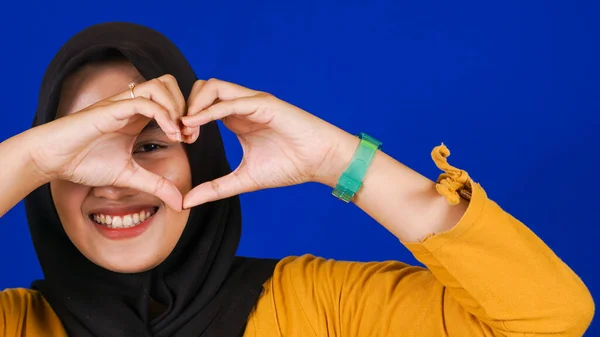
[113, 192]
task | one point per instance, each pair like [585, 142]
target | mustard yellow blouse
[488, 276]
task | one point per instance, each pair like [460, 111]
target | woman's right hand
[94, 146]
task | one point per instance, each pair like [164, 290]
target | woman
[134, 216]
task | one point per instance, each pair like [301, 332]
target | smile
[115, 221]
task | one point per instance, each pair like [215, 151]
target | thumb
[146, 181]
[220, 188]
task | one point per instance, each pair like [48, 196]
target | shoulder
[306, 293]
[295, 272]
[24, 309]
[286, 304]
[17, 298]
[312, 279]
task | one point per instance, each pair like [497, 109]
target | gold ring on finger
[131, 88]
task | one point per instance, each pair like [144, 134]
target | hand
[283, 145]
[94, 146]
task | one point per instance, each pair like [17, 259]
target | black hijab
[207, 290]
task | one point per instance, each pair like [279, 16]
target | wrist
[340, 157]
[30, 143]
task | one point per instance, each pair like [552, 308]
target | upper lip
[121, 210]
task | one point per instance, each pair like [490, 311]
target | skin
[153, 151]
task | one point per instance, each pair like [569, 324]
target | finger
[196, 88]
[172, 86]
[120, 113]
[146, 181]
[217, 189]
[191, 134]
[156, 91]
[214, 89]
[254, 106]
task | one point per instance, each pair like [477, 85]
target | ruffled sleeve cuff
[454, 184]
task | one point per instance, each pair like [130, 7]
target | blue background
[511, 87]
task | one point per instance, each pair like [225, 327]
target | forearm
[18, 176]
[475, 251]
[400, 199]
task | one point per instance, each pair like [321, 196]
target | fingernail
[179, 139]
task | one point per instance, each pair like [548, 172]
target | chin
[132, 260]
[127, 250]
[128, 268]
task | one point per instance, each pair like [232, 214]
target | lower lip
[125, 233]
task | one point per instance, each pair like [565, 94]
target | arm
[70, 147]
[18, 173]
[424, 211]
[486, 270]
[489, 271]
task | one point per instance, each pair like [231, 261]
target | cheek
[68, 198]
[172, 164]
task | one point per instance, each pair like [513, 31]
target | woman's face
[85, 212]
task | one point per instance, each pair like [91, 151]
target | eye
[148, 148]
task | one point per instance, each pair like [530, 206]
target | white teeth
[117, 222]
[125, 221]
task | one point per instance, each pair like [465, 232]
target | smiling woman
[96, 217]
[135, 217]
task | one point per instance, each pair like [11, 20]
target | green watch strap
[351, 180]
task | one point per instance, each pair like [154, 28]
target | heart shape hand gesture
[282, 144]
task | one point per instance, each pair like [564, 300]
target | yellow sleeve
[24, 312]
[488, 276]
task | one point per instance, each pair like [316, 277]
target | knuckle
[155, 85]
[160, 184]
[213, 81]
[266, 96]
[263, 94]
[198, 84]
[216, 187]
[168, 78]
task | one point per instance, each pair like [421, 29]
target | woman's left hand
[282, 144]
